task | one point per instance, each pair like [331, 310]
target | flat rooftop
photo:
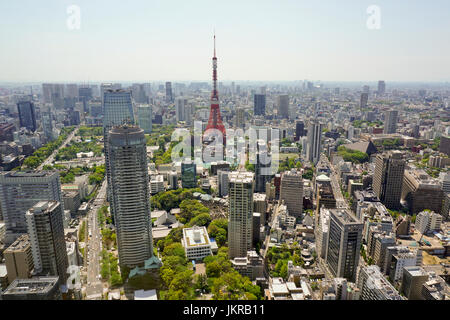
[33, 285]
[196, 236]
[21, 243]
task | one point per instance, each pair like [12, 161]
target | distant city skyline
[142, 41]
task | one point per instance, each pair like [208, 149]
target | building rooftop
[241, 177]
[195, 236]
[33, 285]
[21, 243]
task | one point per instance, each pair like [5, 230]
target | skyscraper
[291, 191]
[259, 108]
[47, 126]
[240, 213]
[85, 95]
[283, 106]
[344, 244]
[188, 174]
[381, 87]
[46, 231]
[117, 110]
[180, 108]
[263, 173]
[19, 191]
[130, 195]
[364, 100]
[169, 94]
[215, 120]
[314, 146]
[27, 116]
[390, 121]
[145, 118]
[388, 178]
[299, 130]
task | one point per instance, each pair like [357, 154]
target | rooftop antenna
[214, 42]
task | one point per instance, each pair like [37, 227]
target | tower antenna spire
[214, 43]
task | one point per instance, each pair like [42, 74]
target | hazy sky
[151, 40]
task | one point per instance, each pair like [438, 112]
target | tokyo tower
[215, 120]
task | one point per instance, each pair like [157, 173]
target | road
[50, 159]
[94, 288]
[340, 200]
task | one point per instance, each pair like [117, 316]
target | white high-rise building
[291, 191]
[428, 221]
[130, 195]
[314, 146]
[180, 108]
[390, 121]
[240, 213]
[117, 110]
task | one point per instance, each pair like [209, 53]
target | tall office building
[240, 213]
[130, 195]
[144, 115]
[19, 191]
[259, 101]
[169, 93]
[117, 110]
[71, 90]
[390, 121]
[421, 192]
[314, 145]
[291, 191]
[374, 286]
[283, 106]
[85, 95]
[180, 108]
[388, 178]
[47, 92]
[299, 130]
[364, 100]
[344, 244]
[223, 182]
[47, 126]
[188, 174]
[138, 92]
[263, 172]
[19, 259]
[366, 89]
[381, 87]
[108, 86]
[46, 231]
[27, 115]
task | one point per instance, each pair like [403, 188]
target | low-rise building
[36, 288]
[251, 266]
[196, 243]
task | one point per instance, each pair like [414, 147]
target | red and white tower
[215, 120]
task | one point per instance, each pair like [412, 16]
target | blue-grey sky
[148, 40]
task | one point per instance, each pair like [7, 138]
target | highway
[50, 159]
[94, 289]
